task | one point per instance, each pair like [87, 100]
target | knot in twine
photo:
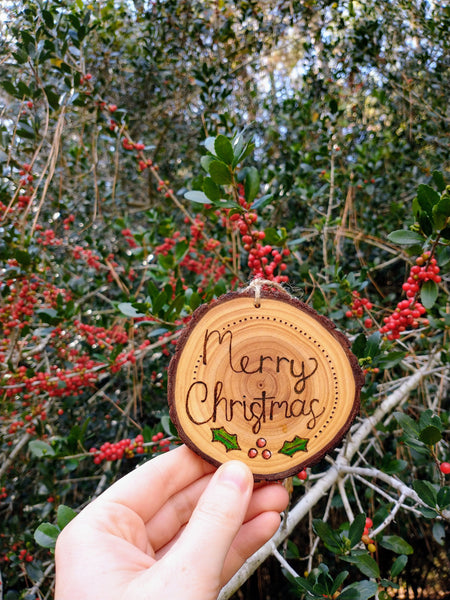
[258, 283]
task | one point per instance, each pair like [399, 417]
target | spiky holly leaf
[229, 440]
[298, 444]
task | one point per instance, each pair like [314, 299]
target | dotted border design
[310, 338]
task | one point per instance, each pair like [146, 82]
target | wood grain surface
[268, 382]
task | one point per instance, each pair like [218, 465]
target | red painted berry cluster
[357, 308]
[125, 448]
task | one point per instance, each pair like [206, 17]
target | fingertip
[237, 474]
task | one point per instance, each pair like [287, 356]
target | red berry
[445, 468]
[303, 475]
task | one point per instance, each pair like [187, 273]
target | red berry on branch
[445, 468]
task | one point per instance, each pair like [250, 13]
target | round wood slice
[268, 381]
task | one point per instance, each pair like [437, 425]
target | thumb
[217, 518]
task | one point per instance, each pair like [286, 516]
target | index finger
[148, 487]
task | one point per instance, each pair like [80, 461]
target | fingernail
[236, 473]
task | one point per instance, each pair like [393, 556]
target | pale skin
[173, 528]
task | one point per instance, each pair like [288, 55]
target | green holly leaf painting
[229, 440]
[298, 444]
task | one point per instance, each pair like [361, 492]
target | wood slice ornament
[260, 377]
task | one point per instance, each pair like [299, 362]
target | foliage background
[104, 259]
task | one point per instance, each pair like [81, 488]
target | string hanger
[258, 283]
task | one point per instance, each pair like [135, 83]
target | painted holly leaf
[229, 440]
[298, 444]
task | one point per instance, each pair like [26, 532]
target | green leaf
[405, 238]
[127, 309]
[9, 88]
[304, 585]
[298, 444]
[399, 565]
[48, 19]
[429, 293]
[430, 435]
[438, 180]
[359, 346]
[373, 344]
[220, 172]
[229, 440]
[428, 513]
[45, 535]
[211, 189]
[445, 233]
[262, 201]
[251, 183]
[443, 497]
[396, 544]
[224, 149]
[425, 223]
[439, 532]
[209, 145]
[356, 529]
[365, 563]
[197, 196]
[338, 582]
[441, 211]
[52, 97]
[180, 249]
[64, 515]
[195, 300]
[427, 198]
[329, 537]
[426, 492]
[391, 359]
[409, 426]
[205, 161]
[39, 449]
[359, 590]
[48, 315]
[247, 150]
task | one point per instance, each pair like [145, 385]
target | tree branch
[330, 478]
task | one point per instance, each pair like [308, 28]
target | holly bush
[153, 157]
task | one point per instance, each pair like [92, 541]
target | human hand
[169, 530]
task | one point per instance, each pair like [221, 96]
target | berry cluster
[263, 260]
[3, 493]
[25, 556]
[129, 238]
[92, 259]
[405, 315]
[357, 308]
[425, 269]
[366, 537]
[101, 336]
[409, 311]
[125, 448]
[163, 443]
